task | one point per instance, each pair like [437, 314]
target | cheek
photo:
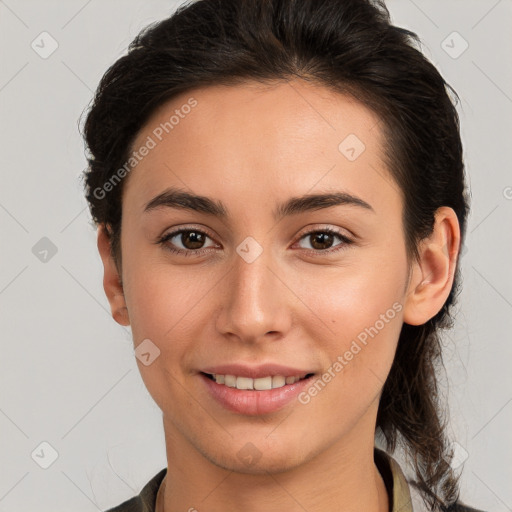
[360, 309]
[360, 354]
[164, 301]
[354, 297]
[165, 307]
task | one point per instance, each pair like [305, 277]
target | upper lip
[256, 372]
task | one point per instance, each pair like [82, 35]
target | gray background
[68, 375]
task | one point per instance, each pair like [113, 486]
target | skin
[252, 147]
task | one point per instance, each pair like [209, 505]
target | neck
[342, 478]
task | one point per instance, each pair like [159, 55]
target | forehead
[287, 137]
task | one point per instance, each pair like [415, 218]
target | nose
[256, 304]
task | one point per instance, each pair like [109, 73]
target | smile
[256, 395]
[260, 384]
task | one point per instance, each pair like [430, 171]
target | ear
[112, 283]
[432, 275]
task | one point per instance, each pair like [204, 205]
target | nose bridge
[253, 303]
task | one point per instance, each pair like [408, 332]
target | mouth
[258, 384]
[263, 390]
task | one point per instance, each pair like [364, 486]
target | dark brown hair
[351, 47]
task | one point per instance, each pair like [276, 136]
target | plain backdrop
[71, 397]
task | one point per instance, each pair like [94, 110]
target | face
[257, 283]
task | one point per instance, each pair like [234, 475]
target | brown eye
[323, 241]
[186, 241]
[192, 239]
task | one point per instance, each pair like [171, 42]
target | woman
[279, 192]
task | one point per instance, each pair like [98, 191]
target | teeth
[261, 384]
[229, 380]
[244, 383]
[278, 381]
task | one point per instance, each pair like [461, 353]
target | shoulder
[145, 501]
[460, 507]
[131, 505]
[406, 493]
[419, 504]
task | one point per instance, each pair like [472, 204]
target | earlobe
[111, 280]
[433, 273]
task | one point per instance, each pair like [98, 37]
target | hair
[350, 47]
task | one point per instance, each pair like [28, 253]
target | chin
[279, 463]
[254, 459]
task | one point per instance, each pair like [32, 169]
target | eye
[322, 240]
[192, 241]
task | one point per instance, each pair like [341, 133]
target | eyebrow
[175, 198]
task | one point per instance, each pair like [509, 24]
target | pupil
[324, 239]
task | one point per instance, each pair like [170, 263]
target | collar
[395, 481]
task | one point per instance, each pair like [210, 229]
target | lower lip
[252, 402]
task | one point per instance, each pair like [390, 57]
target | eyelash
[198, 252]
